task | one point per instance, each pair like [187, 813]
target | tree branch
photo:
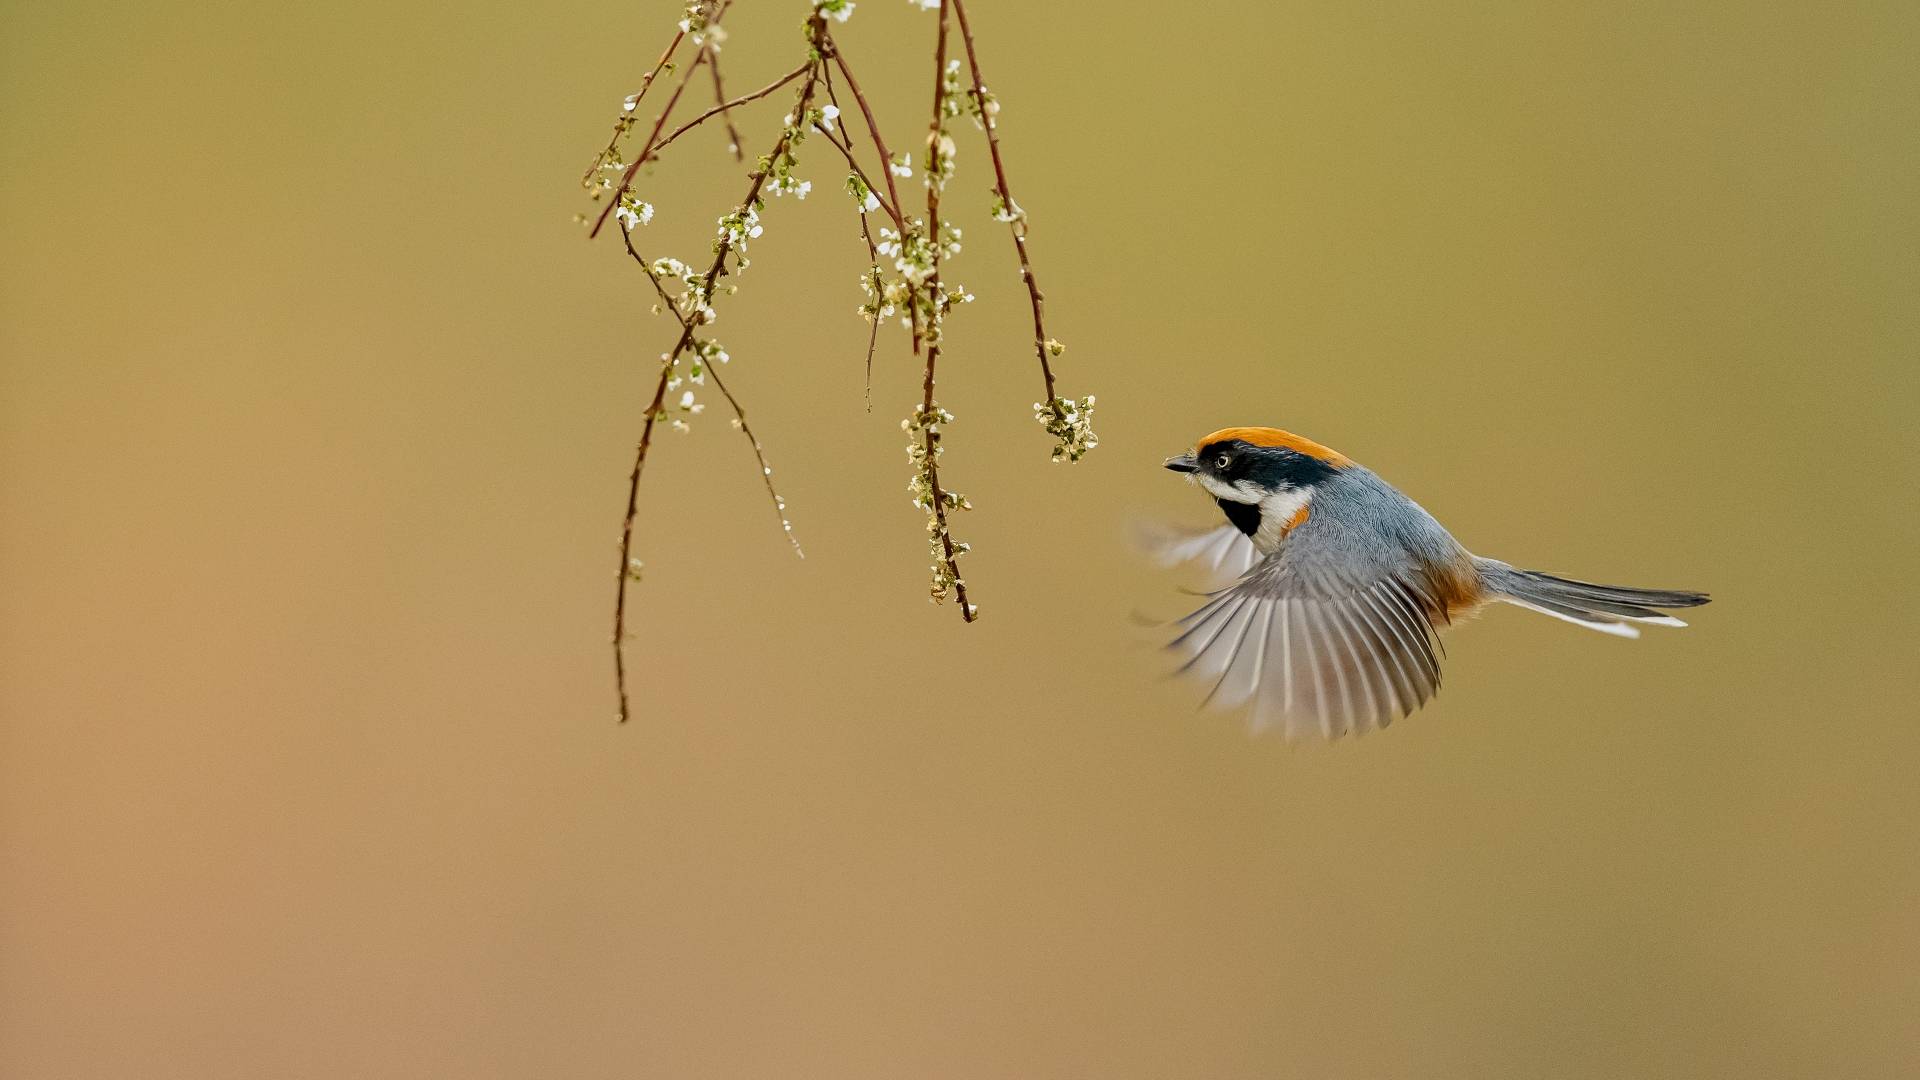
[1017, 218]
[847, 153]
[866, 234]
[660, 392]
[724, 106]
[886, 159]
[720, 95]
[625, 123]
[739, 414]
[647, 148]
[930, 434]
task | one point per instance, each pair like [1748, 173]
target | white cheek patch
[1241, 492]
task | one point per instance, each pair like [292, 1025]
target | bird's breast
[1280, 513]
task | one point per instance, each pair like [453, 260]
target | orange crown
[1266, 436]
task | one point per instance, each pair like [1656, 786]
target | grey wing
[1314, 649]
[1224, 550]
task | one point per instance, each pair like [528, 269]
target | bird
[1341, 585]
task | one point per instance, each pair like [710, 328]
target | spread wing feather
[1224, 550]
[1315, 653]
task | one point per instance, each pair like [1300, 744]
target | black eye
[1222, 462]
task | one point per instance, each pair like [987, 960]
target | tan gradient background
[316, 414]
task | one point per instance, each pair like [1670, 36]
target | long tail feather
[1607, 608]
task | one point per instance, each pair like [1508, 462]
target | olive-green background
[314, 424]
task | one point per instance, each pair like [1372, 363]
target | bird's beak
[1183, 463]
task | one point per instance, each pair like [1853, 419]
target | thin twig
[886, 160]
[720, 95]
[847, 153]
[866, 234]
[647, 148]
[1018, 224]
[929, 435]
[766, 470]
[873, 129]
[625, 123]
[739, 414]
[725, 105]
[660, 390]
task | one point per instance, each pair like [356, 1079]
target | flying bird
[1342, 585]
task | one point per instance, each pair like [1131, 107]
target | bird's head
[1249, 464]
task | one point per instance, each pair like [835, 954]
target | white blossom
[632, 212]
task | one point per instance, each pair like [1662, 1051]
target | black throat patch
[1245, 516]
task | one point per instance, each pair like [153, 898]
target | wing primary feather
[1286, 656]
[1263, 688]
[1419, 625]
[1313, 667]
[1388, 646]
[1387, 697]
[1347, 702]
[1201, 652]
[1323, 643]
[1260, 658]
[1336, 616]
[1233, 655]
[1228, 608]
[1387, 701]
[1406, 655]
[1393, 702]
[1216, 599]
[1400, 649]
[1428, 606]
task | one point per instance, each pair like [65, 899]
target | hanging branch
[1067, 420]
[889, 165]
[862, 188]
[695, 24]
[924, 426]
[739, 414]
[906, 262]
[721, 109]
[736, 229]
[624, 124]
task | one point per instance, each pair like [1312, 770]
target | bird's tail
[1610, 609]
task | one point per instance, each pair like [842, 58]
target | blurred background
[315, 417]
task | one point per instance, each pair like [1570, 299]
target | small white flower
[828, 115]
[632, 213]
[686, 400]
